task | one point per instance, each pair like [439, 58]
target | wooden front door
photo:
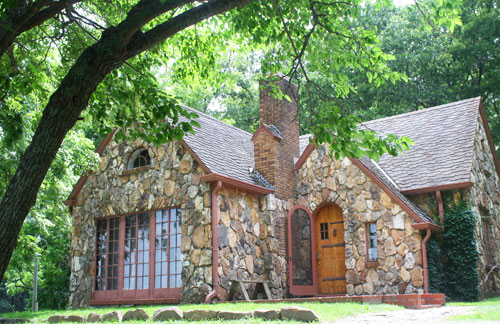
[331, 251]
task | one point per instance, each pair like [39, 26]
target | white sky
[402, 3]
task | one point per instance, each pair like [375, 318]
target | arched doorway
[330, 246]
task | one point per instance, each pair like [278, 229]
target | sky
[401, 3]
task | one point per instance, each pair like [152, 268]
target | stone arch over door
[330, 249]
[302, 252]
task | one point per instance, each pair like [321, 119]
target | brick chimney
[276, 141]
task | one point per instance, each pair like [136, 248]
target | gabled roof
[441, 157]
[443, 150]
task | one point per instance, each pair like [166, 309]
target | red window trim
[370, 263]
[138, 296]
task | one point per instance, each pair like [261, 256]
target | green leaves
[460, 275]
[346, 137]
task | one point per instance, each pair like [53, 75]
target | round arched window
[139, 158]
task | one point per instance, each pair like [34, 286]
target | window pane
[157, 282]
[164, 282]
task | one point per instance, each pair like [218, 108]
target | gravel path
[411, 316]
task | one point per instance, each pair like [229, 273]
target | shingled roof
[443, 150]
[223, 148]
[442, 153]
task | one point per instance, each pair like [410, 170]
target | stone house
[177, 223]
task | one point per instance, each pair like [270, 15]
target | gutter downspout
[215, 248]
[440, 206]
[424, 257]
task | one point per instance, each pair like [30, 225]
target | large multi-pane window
[138, 255]
[168, 249]
[108, 233]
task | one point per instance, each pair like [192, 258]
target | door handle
[334, 232]
[318, 257]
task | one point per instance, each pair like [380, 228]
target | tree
[286, 28]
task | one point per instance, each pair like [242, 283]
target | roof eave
[449, 186]
[433, 227]
[238, 184]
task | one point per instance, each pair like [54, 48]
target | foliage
[460, 274]
[434, 265]
[47, 229]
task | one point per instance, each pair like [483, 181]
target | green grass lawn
[326, 311]
[485, 310]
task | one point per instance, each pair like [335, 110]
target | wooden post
[34, 306]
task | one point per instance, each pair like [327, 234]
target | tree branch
[20, 19]
[144, 41]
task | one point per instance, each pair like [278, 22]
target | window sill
[136, 170]
[372, 264]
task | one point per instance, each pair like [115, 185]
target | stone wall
[172, 180]
[249, 241]
[484, 195]
[399, 268]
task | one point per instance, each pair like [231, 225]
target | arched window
[139, 158]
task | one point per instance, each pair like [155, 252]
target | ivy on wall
[434, 265]
[460, 278]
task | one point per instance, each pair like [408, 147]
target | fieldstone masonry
[484, 195]
[172, 180]
[399, 268]
[249, 244]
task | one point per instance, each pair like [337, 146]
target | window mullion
[136, 250]
[152, 236]
[106, 262]
[121, 253]
[168, 246]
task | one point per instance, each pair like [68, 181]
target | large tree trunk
[71, 98]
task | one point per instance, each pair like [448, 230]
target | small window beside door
[371, 244]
